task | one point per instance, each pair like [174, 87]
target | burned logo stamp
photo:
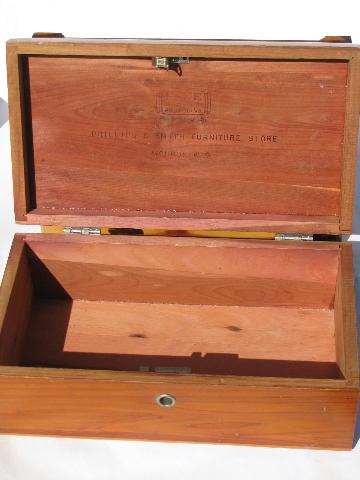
[198, 103]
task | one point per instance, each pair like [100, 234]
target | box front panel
[307, 417]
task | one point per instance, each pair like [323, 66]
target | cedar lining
[139, 289]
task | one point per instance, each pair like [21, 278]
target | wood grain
[301, 417]
[170, 157]
[206, 339]
[184, 271]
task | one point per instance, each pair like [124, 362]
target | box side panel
[307, 417]
[16, 296]
[350, 146]
[345, 317]
[347, 314]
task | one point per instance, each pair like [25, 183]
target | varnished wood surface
[215, 50]
[310, 418]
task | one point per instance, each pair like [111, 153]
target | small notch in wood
[137, 335]
[233, 328]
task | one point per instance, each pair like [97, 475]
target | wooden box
[248, 340]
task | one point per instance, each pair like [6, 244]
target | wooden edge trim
[350, 144]
[348, 313]
[138, 377]
[11, 269]
[198, 48]
[339, 322]
[16, 119]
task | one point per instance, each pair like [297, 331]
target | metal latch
[294, 236]
[83, 230]
[166, 62]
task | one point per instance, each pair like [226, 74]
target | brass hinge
[294, 236]
[83, 230]
[166, 62]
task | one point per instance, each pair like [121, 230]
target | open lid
[242, 135]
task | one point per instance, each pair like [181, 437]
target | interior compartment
[175, 305]
[256, 141]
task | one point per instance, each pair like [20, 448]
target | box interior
[222, 139]
[175, 305]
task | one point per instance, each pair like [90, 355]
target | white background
[46, 458]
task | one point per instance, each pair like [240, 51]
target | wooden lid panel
[101, 137]
[225, 136]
